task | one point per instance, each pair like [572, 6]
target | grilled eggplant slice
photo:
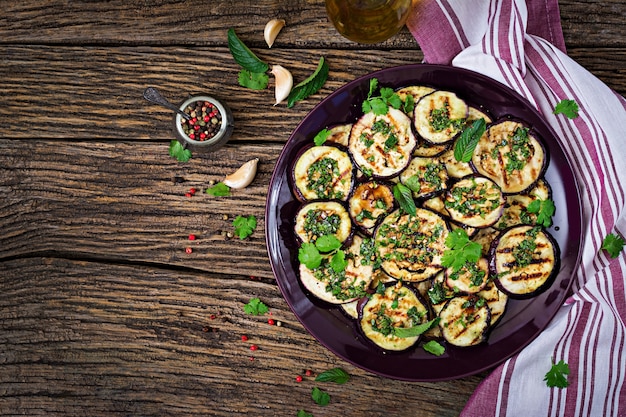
[425, 177]
[319, 218]
[470, 278]
[323, 172]
[340, 134]
[465, 320]
[440, 116]
[510, 155]
[343, 286]
[385, 315]
[475, 201]
[429, 150]
[524, 260]
[496, 300]
[485, 237]
[516, 206]
[411, 247]
[439, 292]
[456, 169]
[381, 145]
[369, 202]
[417, 91]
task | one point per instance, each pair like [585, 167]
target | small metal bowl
[213, 139]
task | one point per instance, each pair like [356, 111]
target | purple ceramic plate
[523, 320]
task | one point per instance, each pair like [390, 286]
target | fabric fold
[520, 43]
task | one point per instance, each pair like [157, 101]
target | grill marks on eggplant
[510, 155]
[385, 247]
[524, 259]
[382, 145]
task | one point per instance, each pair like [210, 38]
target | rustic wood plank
[102, 339]
[163, 22]
[126, 202]
[78, 105]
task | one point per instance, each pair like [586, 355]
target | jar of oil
[368, 21]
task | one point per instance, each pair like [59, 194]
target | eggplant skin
[511, 155]
[399, 306]
[465, 320]
[382, 145]
[524, 261]
[323, 172]
[319, 218]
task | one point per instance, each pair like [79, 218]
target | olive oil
[368, 21]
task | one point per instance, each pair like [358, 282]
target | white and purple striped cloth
[520, 43]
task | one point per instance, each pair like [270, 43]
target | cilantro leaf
[244, 226]
[465, 145]
[243, 55]
[567, 107]
[462, 250]
[613, 244]
[415, 330]
[409, 104]
[544, 209]
[327, 243]
[434, 347]
[256, 307]
[403, 194]
[302, 413]
[179, 152]
[309, 256]
[336, 375]
[557, 375]
[219, 190]
[338, 262]
[321, 137]
[253, 80]
[311, 85]
[320, 397]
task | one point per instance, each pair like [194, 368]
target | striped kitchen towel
[520, 43]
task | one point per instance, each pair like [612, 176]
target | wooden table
[102, 310]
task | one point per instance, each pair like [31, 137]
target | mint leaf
[179, 152]
[321, 137]
[311, 85]
[336, 375]
[244, 226]
[320, 397]
[613, 244]
[405, 198]
[302, 413]
[557, 375]
[434, 347]
[255, 307]
[219, 190]
[253, 80]
[243, 55]
[567, 107]
[309, 256]
[415, 330]
[466, 143]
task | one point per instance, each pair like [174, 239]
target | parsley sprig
[310, 254]
[613, 244]
[544, 209]
[380, 104]
[244, 226]
[178, 151]
[256, 307]
[569, 108]
[461, 250]
[557, 375]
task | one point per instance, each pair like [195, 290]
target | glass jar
[210, 126]
[368, 21]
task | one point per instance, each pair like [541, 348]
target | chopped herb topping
[321, 177]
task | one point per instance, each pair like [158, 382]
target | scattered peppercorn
[244, 337]
[308, 372]
[271, 322]
[254, 347]
[299, 378]
[188, 250]
[192, 237]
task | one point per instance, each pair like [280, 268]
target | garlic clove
[283, 84]
[271, 30]
[243, 176]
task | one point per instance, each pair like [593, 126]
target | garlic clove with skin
[283, 83]
[243, 176]
[271, 30]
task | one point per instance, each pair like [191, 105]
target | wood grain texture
[103, 313]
